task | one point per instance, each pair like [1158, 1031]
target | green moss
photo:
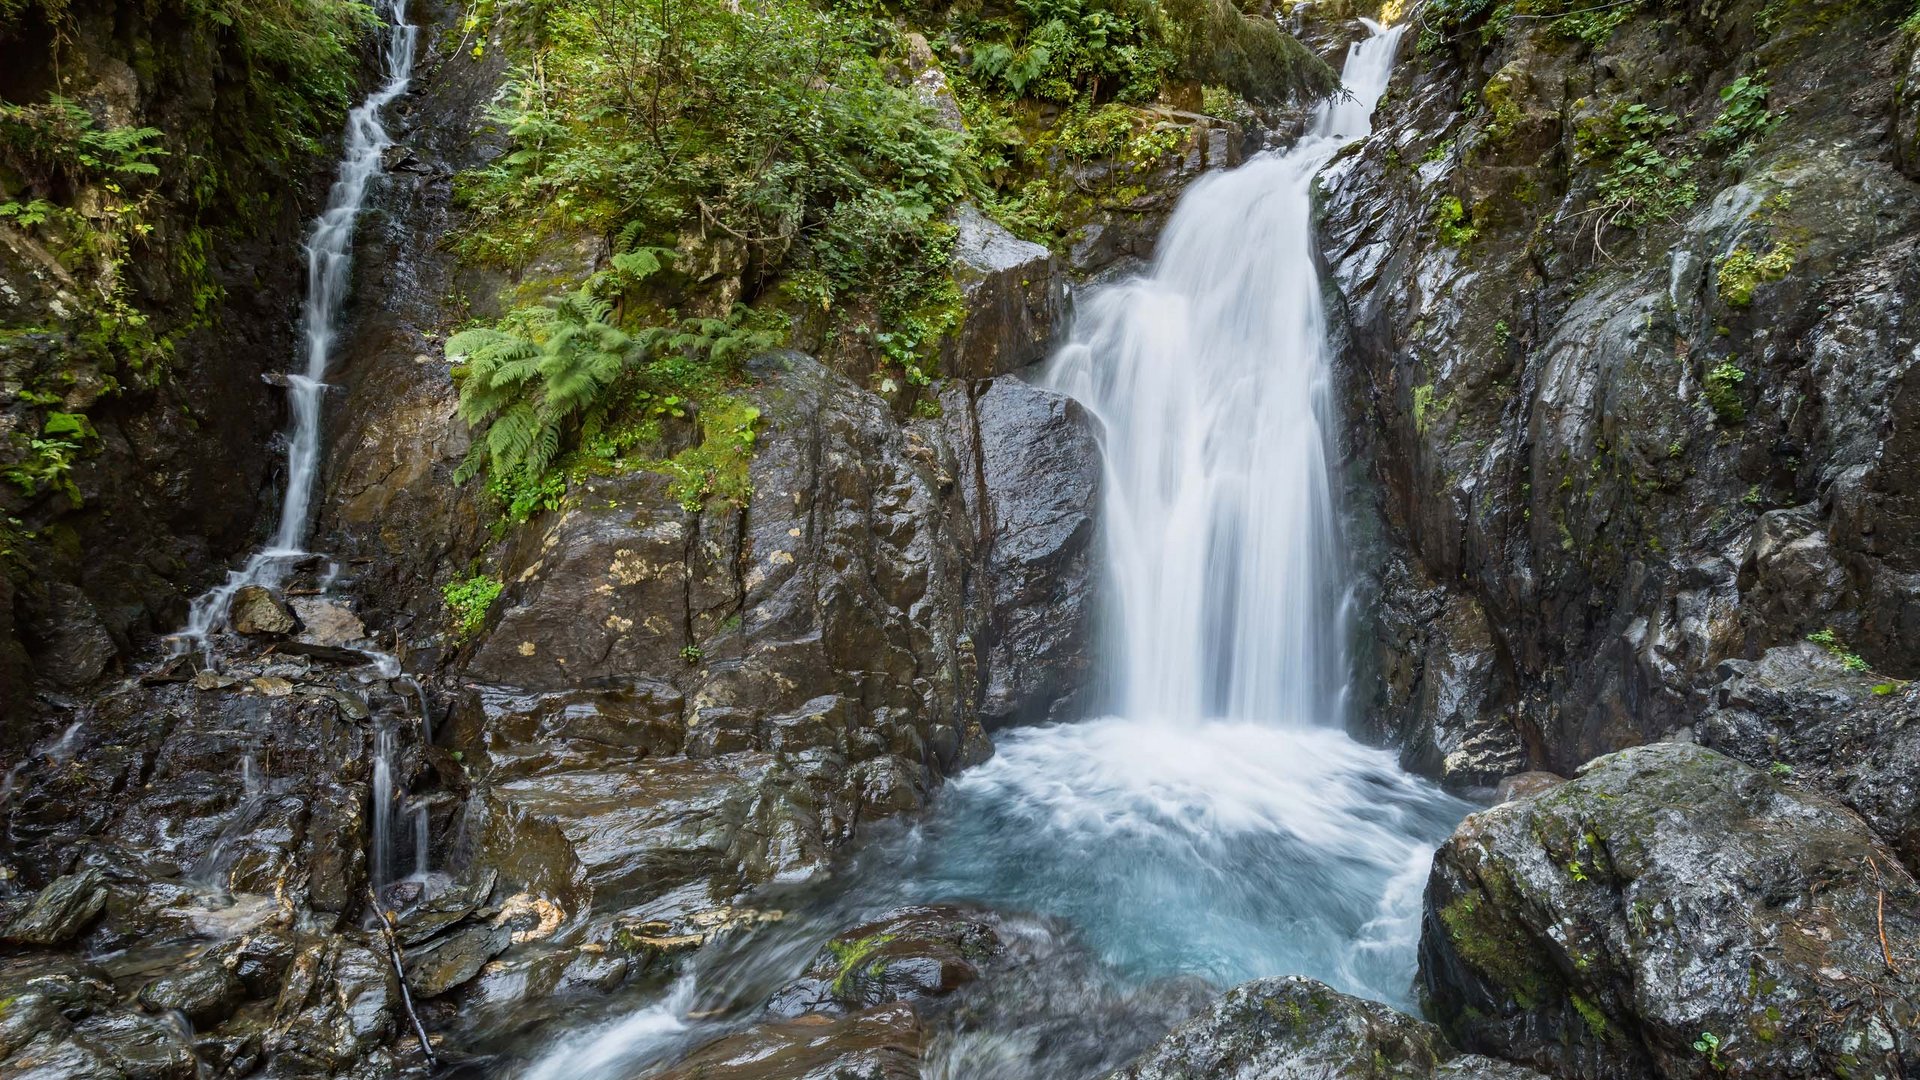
[716, 468]
[1742, 271]
[850, 955]
[1503, 112]
[1596, 1019]
[1453, 224]
[1501, 950]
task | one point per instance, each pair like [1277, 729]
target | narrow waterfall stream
[1220, 825]
[329, 254]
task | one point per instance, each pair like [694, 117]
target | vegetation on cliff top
[758, 168]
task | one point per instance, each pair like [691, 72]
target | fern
[526, 384]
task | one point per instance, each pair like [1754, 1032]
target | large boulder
[911, 954]
[1675, 913]
[1014, 297]
[256, 609]
[1803, 712]
[58, 913]
[1029, 472]
[1298, 1029]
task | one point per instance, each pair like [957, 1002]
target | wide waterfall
[1210, 375]
[329, 254]
[1220, 824]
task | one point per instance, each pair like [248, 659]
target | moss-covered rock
[1295, 1029]
[1672, 912]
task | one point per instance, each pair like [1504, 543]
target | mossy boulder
[1675, 913]
[1298, 1029]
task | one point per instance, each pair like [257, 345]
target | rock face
[1297, 1029]
[1612, 445]
[163, 466]
[1672, 912]
[1801, 711]
[790, 669]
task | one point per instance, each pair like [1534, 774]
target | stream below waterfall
[1219, 825]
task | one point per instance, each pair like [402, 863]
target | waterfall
[1221, 823]
[1211, 378]
[329, 255]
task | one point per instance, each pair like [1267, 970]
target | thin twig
[393, 956]
[1886, 952]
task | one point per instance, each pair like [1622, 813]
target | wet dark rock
[260, 960]
[1791, 580]
[439, 905]
[1286, 1028]
[794, 668]
[1014, 296]
[206, 990]
[59, 912]
[60, 1021]
[77, 646]
[910, 955]
[1533, 395]
[880, 1044]
[337, 861]
[1801, 712]
[1030, 470]
[1464, 736]
[444, 963]
[334, 1010]
[139, 1047]
[1600, 928]
[255, 609]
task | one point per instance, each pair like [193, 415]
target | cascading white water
[1210, 376]
[329, 252]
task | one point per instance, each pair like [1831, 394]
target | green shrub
[1642, 182]
[528, 382]
[1723, 392]
[1125, 50]
[469, 601]
[1828, 640]
[1744, 118]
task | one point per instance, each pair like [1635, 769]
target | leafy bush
[550, 383]
[1828, 640]
[469, 601]
[1125, 50]
[1744, 118]
[527, 381]
[1642, 182]
[1723, 392]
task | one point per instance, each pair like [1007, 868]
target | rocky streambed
[683, 804]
